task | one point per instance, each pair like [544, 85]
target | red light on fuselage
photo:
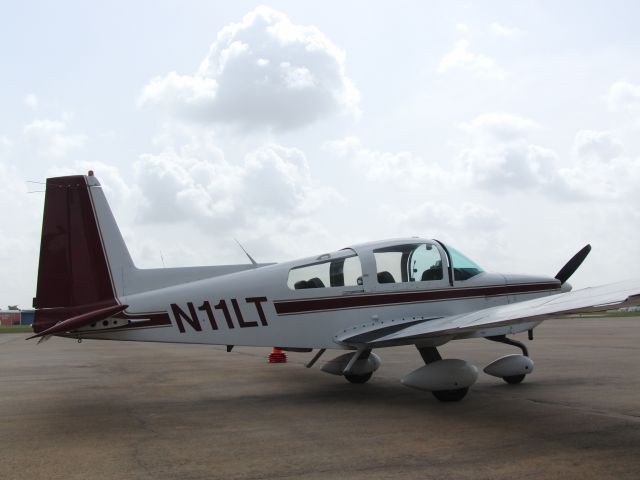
[90, 173]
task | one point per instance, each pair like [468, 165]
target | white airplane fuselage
[255, 307]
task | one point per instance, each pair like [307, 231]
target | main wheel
[363, 378]
[451, 395]
[513, 379]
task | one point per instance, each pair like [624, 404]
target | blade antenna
[253, 262]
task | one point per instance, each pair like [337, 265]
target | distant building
[8, 318]
[26, 317]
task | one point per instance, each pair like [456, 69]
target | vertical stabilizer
[82, 253]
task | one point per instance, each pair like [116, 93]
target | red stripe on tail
[73, 274]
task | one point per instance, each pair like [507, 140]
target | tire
[364, 378]
[451, 395]
[514, 379]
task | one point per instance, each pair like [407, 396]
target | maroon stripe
[153, 319]
[80, 321]
[284, 307]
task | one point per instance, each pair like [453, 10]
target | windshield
[463, 267]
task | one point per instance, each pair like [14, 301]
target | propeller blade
[572, 265]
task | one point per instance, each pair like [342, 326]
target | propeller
[572, 265]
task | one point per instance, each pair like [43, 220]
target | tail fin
[82, 253]
[85, 266]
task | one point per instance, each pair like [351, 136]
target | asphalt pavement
[120, 410]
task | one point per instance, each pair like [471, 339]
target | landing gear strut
[510, 341]
[363, 377]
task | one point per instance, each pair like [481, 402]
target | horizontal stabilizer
[80, 321]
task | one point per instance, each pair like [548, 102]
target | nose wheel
[514, 379]
[450, 395]
[364, 378]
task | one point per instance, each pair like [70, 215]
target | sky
[509, 129]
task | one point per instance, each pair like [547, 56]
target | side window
[408, 263]
[339, 272]
[425, 264]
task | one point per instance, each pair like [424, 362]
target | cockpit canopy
[395, 262]
[421, 262]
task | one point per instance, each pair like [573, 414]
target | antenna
[253, 262]
[162, 258]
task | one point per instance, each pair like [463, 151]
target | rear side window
[338, 272]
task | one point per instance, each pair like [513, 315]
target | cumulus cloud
[197, 183]
[501, 157]
[602, 145]
[381, 166]
[51, 139]
[264, 71]
[623, 96]
[460, 57]
[503, 127]
[600, 170]
[509, 167]
[442, 216]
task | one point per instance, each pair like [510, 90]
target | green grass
[610, 314]
[16, 329]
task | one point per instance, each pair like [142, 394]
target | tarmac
[120, 410]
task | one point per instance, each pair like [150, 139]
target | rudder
[74, 271]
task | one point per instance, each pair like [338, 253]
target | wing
[482, 322]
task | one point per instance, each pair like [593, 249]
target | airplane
[408, 291]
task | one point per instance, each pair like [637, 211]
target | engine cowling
[510, 366]
[448, 374]
[362, 366]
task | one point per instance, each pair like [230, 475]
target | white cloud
[600, 170]
[500, 156]
[31, 101]
[623, 96]
[51, 139]
[381, 166]
[460, 57]
[186, 184]
[462, 27]
[504, 31]
[615, 180]
[503, 127]
[602, 145]
[197, 183]
[514, 166]
[264, 71]
[442, 216]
